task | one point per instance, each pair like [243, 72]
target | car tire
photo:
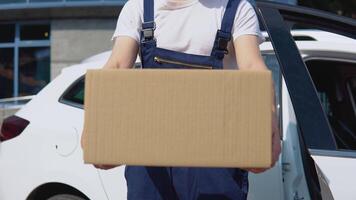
[65, 197]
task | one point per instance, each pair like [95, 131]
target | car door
[335, 80]
[315, 132]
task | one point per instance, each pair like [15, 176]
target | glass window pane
[7, 33]
[12, 1]
[272, 63]
[83, 0]
[336, 93]
[34, 69]
[75, 95]
[6, 72]
[35, 32]
[46, 0]
[352, 83]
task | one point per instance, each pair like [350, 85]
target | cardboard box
[212, 118]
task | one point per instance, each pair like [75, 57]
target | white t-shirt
[189, 26]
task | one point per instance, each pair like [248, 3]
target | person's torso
[190, 26]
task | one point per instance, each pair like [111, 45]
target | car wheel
[65, 197]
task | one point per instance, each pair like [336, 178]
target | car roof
[94, 62]
[322, 36]
[307, 40]
[319, 43]
[317, 35]
[101, 56]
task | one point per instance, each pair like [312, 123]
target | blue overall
[185, 183]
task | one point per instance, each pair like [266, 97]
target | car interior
[335, 82]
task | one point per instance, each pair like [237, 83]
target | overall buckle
[222, 40]
[148, 29]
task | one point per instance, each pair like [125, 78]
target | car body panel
[46, 167]
[340, 174]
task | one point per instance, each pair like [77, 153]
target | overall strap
[229, 16]
[223, 36]
[148, 25]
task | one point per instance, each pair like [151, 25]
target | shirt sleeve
[246, 22]
[129, 21]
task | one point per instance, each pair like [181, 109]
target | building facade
[38, 38]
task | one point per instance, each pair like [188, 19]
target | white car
[41, 157]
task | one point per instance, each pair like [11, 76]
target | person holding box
[189, 34]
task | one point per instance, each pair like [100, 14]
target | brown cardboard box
[213, 118]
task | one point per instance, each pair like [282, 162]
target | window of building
[34, 32]
[12, 1]
[7, 33]
[24, 58]
[6, 72]
[45, 1]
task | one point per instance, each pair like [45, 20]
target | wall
[75, 40]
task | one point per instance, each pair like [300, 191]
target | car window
[335, 83]
[74, 95]
[352, 86]
[272, 63]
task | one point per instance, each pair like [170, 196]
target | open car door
[314, 133]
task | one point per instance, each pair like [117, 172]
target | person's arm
[249, 58]
[124, 53]
[123, 56]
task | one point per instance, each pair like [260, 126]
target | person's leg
[210, 183]
[185, 182]
[140, 185]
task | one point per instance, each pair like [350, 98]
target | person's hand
[276, 142]
[276, 147]
[105, 167]
[82, 142]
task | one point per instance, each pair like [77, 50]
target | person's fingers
[100, 166]
[82, 140]
[276, 147]
[256, 170]
[105, 167]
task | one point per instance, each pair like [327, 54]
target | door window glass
[352, 85]
[273, 65]
[336, 86]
